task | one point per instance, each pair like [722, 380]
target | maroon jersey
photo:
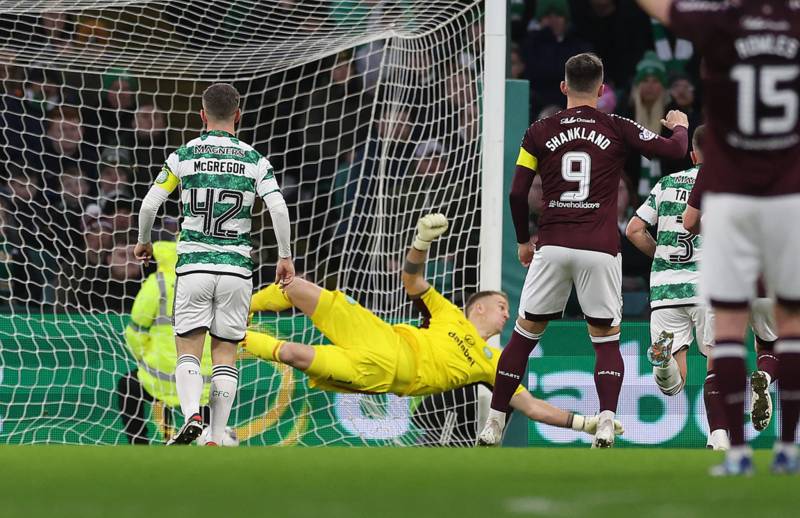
[751, 77]
[580, 153]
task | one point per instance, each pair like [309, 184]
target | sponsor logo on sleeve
[646, 135]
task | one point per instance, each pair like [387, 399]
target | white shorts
[762, 319]
[745, 236]
[218, 303]
[598, 282]
[681, 322]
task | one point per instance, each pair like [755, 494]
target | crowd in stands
[78, 151]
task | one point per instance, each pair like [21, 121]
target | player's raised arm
[524, 173]
[658, 9]
[165, 183]
[650, 144]
[428, 228]
[269, 191]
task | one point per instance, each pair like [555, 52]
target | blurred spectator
[649, 97]
[146, 138]
[335, 119]
[70, 211]
[546, 50]
[114, 180]
[517, 63]
[43, 90]
[92, 30]
[674, 52]
[682, 93]
[65, 147]
[519, 13]
[117, 106]
[618, 31]
[28, 235]
[125, 275]
[607, 103]
[648, 104]
[20, 129]
[119, 213]
[98, 240]
[635, 265]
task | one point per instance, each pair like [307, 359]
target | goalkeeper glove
[429, 228]
[589, 424]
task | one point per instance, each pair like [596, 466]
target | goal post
[373, 113]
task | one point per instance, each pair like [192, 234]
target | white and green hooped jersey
[220, 177]
[674, 275]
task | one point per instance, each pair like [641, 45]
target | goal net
[369, 111]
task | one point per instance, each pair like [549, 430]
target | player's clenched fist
[143, 252]
[429, 228]
[675, 118]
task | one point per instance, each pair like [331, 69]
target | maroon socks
[512, 367]
[730, 381]
[715, 413]
[788, 351]
[609, 371]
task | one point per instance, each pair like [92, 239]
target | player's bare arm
[429, 228]
[691, 219]
[543, 412]
[637, 233]
[658, 9]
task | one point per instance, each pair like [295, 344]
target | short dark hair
[699, 138]
[584, 72]
[477, 297]
[220, 101]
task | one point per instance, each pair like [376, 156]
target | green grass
[116, 482]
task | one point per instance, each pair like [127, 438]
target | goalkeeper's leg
[328, 363]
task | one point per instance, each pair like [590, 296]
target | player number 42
[212, 226]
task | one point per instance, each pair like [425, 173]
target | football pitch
[83, 481]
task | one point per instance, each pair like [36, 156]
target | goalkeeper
[370, 356]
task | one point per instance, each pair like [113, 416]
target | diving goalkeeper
[370, 356]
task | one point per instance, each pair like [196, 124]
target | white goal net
[370, 111]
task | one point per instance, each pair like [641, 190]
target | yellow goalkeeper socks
[271, 298]
[264, 346]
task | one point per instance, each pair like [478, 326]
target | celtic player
[369, 355]
[219, 177]
[676, 304]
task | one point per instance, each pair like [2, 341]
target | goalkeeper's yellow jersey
[449, 352]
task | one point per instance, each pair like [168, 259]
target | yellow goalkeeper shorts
[366, 356]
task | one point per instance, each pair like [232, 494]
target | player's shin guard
[224, 381]
[788, 350]
[189, 384]
[609, 370]
[767, 359]
[715, 412]
[731, 381]
[512, 366]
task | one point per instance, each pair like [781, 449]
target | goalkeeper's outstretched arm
[428, 228]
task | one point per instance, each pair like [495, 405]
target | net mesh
[368, 109]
